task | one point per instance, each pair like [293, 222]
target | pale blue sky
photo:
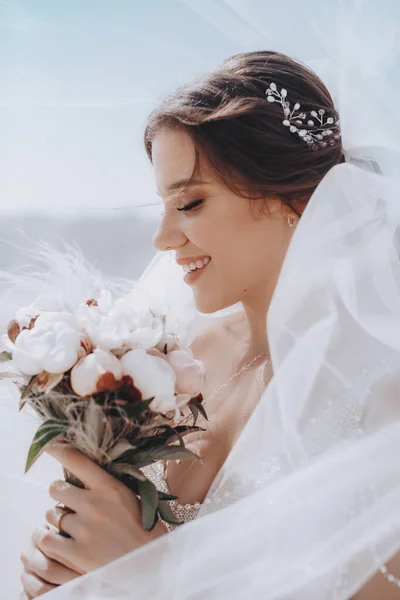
[79, 77]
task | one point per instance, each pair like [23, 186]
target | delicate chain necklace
[245, 367]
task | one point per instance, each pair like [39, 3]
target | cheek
[250, 259]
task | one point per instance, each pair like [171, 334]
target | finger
[81, 466]
[57, 516]
[67, 494]
[34, 586]
[47, 569]
[53, 545]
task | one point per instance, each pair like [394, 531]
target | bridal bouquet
[107, 378]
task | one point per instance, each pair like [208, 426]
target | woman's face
[233, 250]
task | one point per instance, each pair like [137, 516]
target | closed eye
[191, 205]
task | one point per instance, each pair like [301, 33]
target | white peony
[190, 373]
[43, 303]
[154, 377]
[125, 324]
[52, 345]
[6, 344]
[89, 375]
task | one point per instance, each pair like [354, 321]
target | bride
[274, 212]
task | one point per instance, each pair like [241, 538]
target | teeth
[199, 264]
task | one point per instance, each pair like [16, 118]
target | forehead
[174, 158]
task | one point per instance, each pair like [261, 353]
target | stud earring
[290, 221]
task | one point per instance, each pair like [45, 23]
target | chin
[208, 304]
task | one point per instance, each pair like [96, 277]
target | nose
[168, 235]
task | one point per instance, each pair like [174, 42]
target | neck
[256, 309]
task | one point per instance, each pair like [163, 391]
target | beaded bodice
[184, 512]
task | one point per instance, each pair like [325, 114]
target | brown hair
[241, 134]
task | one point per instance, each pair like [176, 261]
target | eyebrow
[183, 184]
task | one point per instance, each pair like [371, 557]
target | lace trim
[184, 512]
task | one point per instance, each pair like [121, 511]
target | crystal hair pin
[316, 137]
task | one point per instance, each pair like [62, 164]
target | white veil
[307, 505]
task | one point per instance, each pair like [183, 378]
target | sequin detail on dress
[184, 512]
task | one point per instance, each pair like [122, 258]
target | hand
[42, 574]
[106, 520]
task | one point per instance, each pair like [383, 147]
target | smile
[198, 264]
[194, 270]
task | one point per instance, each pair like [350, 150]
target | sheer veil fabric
[307, 505]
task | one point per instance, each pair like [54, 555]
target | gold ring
[64, 513]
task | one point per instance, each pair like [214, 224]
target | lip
[187, 261]
[191, 277]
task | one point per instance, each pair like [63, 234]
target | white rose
[153, 376]
[89, 373]
[52, 345]
[190, 373]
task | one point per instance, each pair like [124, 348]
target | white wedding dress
[307, 504]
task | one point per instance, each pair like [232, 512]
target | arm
[379, 587]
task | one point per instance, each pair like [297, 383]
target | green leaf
[169, 435]
[147, 457]
[26, 391]
[130, 482]
[119, 468]
[164, 496]
[5, 357]
[48, 432]
[149, 504]
[166, 513]
[135, 409]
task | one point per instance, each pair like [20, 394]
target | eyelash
[191, 205]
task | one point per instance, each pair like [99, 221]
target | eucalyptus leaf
[5, 357]
[166, 513]
[48, 432]
[149, 504]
